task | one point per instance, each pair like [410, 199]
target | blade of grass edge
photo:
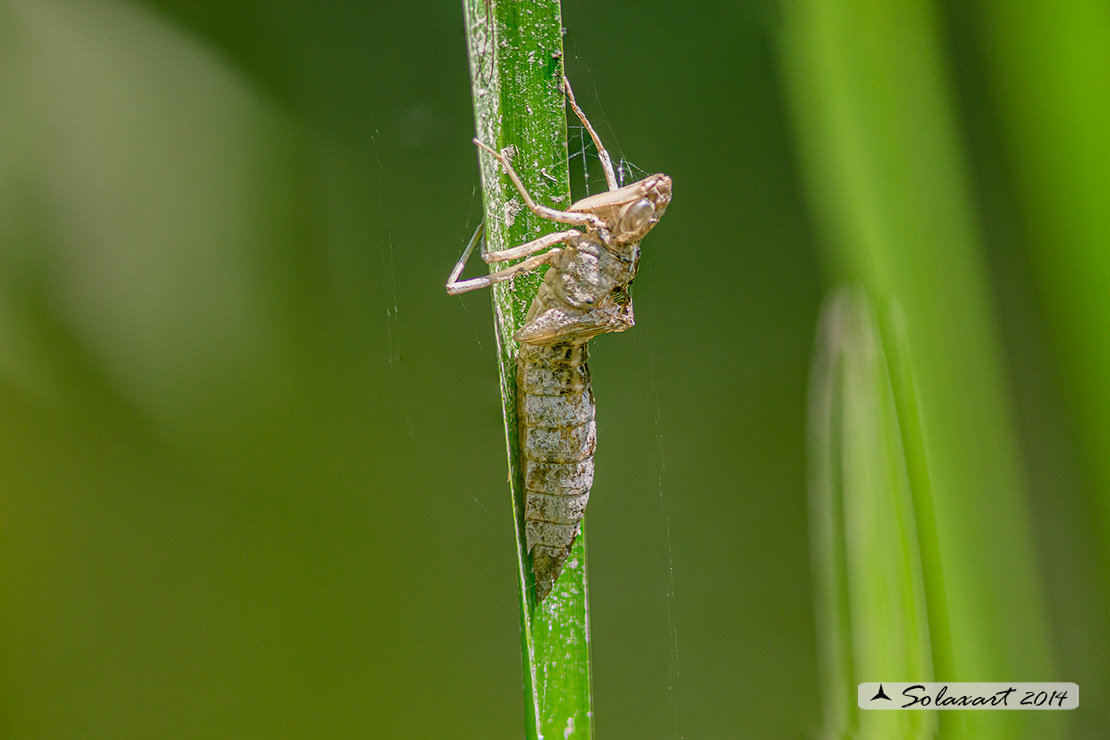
[869, 582]
[516, 68]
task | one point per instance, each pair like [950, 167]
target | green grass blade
[872, 618]
[879, 150]
[516, 72]
[1049, 63]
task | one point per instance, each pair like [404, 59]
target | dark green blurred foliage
[252, 480]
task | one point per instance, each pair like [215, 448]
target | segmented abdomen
[558, 436]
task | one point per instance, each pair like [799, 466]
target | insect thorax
[585, 293]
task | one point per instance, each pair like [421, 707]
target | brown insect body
[584, 293]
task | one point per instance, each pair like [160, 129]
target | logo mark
[881, 695]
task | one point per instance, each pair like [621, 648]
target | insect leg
[455, 286]
[602, 154]
[531, 247]
[565, 217]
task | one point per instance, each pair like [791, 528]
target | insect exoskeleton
[584, 293]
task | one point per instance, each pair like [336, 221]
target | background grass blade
[516, 72]
[871, 608]
[886, 180]
[1047, 65]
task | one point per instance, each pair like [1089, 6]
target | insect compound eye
[635, 216]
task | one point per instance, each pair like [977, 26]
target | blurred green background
[252, 479]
